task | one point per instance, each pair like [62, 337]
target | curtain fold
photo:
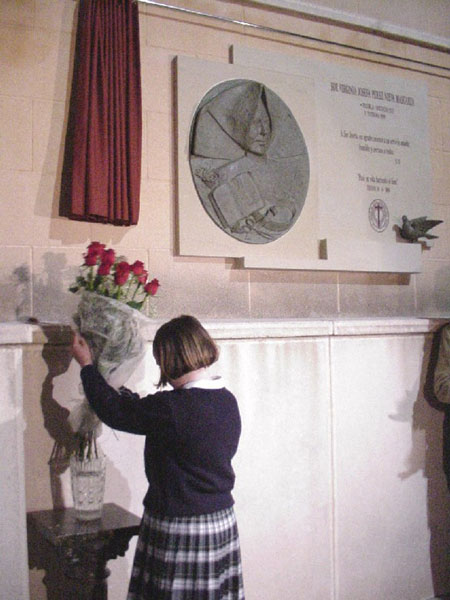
[102, 161]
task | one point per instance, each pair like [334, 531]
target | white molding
[15, 332]
[267, 328]
[359, 20]
[382, 326]
[12, 333]
[298, 328]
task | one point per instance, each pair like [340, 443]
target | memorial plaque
[290, 163]
[249, 161]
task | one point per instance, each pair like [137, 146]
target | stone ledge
[234, 329]
[385, 326]
[26, 333]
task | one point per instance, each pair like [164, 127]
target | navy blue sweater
[191, 436]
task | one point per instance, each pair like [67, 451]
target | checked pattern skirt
[188, 558]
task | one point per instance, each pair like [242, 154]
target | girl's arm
[120, 410]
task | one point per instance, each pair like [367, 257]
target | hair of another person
[182, 345]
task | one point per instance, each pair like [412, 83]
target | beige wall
[40, 251]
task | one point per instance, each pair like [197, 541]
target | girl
[188, 547]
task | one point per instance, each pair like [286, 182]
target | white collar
[212, 383]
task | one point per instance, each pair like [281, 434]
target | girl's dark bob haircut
[182, 345]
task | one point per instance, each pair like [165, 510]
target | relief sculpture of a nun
[249, 161]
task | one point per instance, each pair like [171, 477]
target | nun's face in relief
[257, 138]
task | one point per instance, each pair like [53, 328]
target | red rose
[94, 251]
[90, 259]
[122, 272]
[152, 287]
[96, 247]
[142, 278]
[104, 269]
[137, 267]
[108, 257]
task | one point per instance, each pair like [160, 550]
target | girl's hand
[81, 351]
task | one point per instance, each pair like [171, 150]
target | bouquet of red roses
[110, 316]
[106, 274]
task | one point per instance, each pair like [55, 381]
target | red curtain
[102, 162]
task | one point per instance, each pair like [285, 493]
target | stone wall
[40, 251]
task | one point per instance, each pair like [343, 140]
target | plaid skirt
[188, 558]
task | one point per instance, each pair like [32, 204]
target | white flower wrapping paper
[114, 332]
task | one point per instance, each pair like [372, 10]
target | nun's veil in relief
[222, 124]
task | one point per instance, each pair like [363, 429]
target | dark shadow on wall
[57, 355]
[437, 471]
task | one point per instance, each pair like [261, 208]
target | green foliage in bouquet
[112, 276]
